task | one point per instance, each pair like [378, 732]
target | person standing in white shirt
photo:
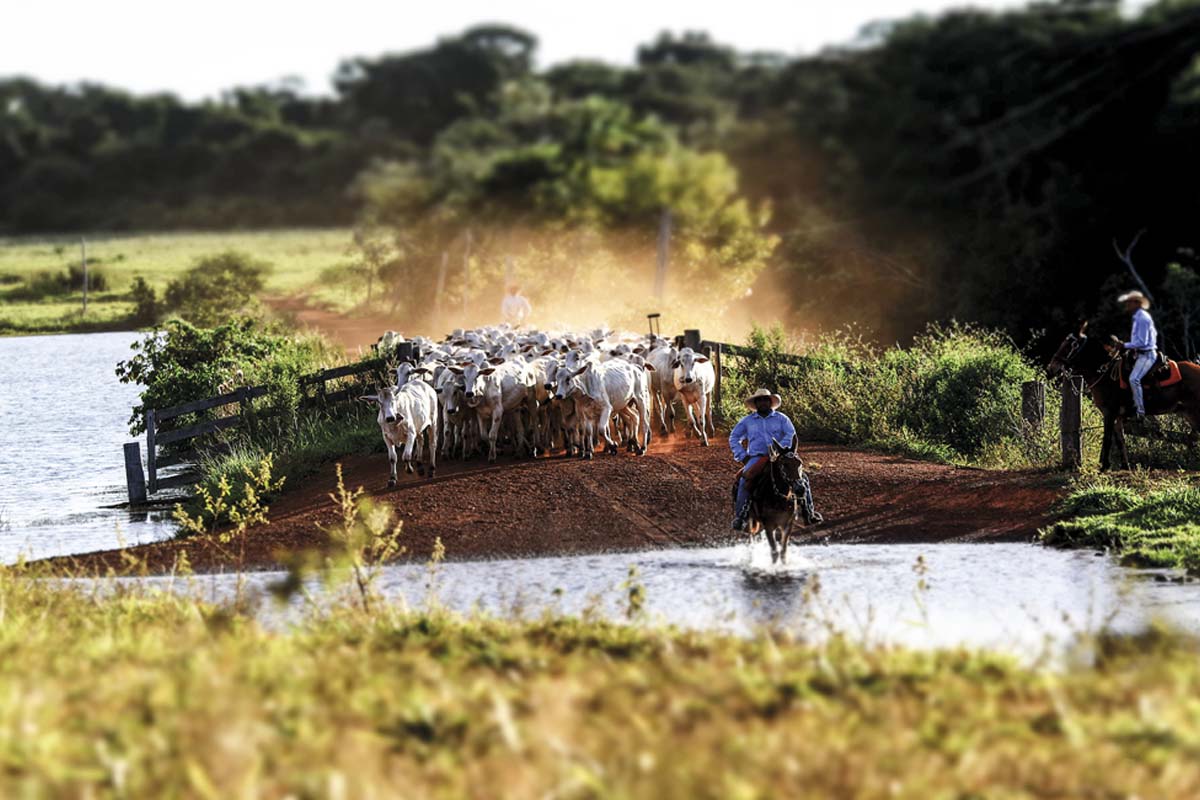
[514, 308]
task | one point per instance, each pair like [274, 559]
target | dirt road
[677, 495]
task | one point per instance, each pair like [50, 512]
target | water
[1017, 598]
[63, 420]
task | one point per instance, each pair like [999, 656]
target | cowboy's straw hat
[1134, 295]
[775, 399]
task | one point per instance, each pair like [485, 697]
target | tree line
[992, 167]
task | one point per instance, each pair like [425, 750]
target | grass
[319, 438]
[133, 693]
[1149, 521]
[298, 257]
[953, 396]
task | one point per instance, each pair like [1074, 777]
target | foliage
[242, 510]
[217, 289]
[299, 257]
[972, 165]
[135, 692]
[1156, 524]
[581, 201]
[146, 306]
[182, 362]
[954, 395]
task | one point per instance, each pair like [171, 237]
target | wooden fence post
[691, 338]
[151, 467]
[717, 369]
[1071, 422]
[83, 260]
[135, 479]
[1033, 404]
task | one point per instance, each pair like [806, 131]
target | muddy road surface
[678, 494]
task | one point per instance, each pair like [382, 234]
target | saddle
[1165, 372]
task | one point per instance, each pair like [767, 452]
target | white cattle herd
[538, 391]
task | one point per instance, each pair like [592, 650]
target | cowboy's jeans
[803, 490]
[754, 465]
[1140, 367]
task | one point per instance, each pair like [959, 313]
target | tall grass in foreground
[111, 691]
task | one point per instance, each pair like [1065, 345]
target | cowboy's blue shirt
[1143, 338]
[758, 431]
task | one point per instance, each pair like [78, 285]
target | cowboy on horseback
[751, 440]
[1143, 343]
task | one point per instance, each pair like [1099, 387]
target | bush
[184, 362]
[146, 308]
[955, 395]
[217, 289]
[43, 284]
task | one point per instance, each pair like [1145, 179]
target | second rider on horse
[750, 440]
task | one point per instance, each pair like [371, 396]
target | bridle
[1077, 343]
[775, 476]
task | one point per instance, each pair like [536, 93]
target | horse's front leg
[770, 532]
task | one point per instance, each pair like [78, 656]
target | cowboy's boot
[806, 510]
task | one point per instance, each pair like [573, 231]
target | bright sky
[196, 49]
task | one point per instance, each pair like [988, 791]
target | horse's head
[1068, 352]
[785, 462]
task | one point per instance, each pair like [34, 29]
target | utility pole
[441, 286]
[83, 258]
[664, 254]
[466, 274]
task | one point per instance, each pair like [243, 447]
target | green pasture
[298, 256]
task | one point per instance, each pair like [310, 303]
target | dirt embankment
[677, 495]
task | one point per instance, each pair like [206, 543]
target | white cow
[493, 391]
[662, 384]
[694, 381]
[602, 389]
[407, 413]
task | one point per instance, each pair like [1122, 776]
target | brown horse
[1084, 356]
[773, 503]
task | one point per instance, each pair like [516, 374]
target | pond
[63, 419]
[1018, 598]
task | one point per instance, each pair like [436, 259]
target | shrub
[43, 284]
[217, 289]
[146, 308]
[955, 395]
[184, 362]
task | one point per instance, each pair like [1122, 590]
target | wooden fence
[160, 432]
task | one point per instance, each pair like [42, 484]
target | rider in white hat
[750, 441]
[1143, 341]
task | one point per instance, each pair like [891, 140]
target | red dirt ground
[677, 495]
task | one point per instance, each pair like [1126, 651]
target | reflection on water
[63, 419]
[1013, 597]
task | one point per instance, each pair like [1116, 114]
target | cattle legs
[391, 453]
